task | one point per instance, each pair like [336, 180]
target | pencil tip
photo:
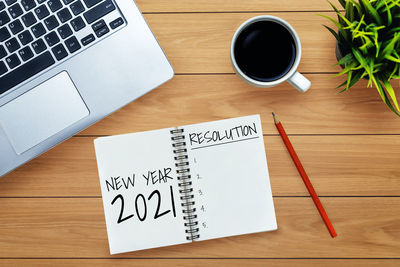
[275, 118]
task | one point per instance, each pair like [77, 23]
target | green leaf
[364, 74]
[393, 72]
[346, 69]
[333, 6]
[395, 53]
[340, 85]
[359, 24]
[378, 48]
[391, 93]
[349, 74]
[356, 77]
[353, 80]
[337, 12]
[367, 44]
[350, 24]
[394, 3]
[365, 65]
[393, 30]
[342, 3]
[338, 25]
[389, 14]
[390, 47]
[391, 58]
[358, 7]
[349, 11]
[341, 91]
[346, 59]
[385, 99]
[372, 11]
[333, 32]
[333, 20]
[380, 4]
[361, 60]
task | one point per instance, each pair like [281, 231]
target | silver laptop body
[108, 61]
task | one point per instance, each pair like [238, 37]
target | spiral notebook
[185, 184]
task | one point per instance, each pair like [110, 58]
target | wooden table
[51, 212]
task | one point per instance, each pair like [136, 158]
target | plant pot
[340, 52]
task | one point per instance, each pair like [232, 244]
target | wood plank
[200, 262]
[196, 98]
[232, 5]
[337, 166]
[200, 43]
[62, 228]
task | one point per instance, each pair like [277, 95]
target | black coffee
[265, 51]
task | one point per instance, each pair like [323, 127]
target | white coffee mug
[300, 82]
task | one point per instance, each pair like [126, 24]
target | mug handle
[299, 82]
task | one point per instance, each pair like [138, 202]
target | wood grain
[147, 6]
[337, 166]
[200, 43]
[367, 227]
[199, 262]
[191, 99]
[51, 210]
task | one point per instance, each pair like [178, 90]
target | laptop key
[116, 23]
[16, 26]
[88, 39]
[4, 18]
[99, 11]
[52, 38]
[39, 46]
[40, 1]
[54, 5]
[72, 44]
[78, 24]
[3, 52]
[102, 31]
[15, 11]
[67, 2]
[90, 3]
[64, 15]
[59, 52]
[25, 37]
[12, 45]
[25, 53]
[3, 68]
[4, 34]
[26, 71]
[28, 19]
[42, 12]
[99, 24]
[13, 61]
[10, 2]
[38, 30]
[2, 5]
[28, 4]
[64, 31]
[51, 23]
[77, 7]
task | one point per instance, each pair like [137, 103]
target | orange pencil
[304, 176]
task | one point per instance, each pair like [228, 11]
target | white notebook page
[149, 157]
[230, 177]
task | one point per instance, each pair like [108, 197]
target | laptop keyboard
[38, 34]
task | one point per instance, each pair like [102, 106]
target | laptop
[66, 64]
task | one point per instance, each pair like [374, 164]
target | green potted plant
[368, 45]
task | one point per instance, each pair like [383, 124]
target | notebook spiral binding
[185, 184]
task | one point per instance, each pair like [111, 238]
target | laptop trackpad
[42, 112]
